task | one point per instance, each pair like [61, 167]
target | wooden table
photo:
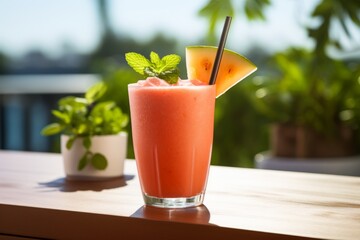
[37, 202]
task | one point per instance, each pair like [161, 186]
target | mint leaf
[149, 72]
[170, 62]
[164, 68]
[154, 58]
[137, 61]
[171, 76]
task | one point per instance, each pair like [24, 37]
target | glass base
[182, 202]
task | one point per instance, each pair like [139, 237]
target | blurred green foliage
[307, 87]
[290, 95]
[216, 11]
[328, 13]
[240, 131]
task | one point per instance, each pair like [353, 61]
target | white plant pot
[349, 166]
[113, 147]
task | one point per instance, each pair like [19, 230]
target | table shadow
[198, 215]
[66, 185]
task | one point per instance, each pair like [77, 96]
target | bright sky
[47, 25]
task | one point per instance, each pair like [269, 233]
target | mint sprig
[164, 68]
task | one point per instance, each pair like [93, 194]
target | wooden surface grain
[37, 201]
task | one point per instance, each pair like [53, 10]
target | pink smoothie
[172, 129]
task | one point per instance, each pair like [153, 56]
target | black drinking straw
[220, 50]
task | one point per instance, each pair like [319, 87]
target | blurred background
[307, 53]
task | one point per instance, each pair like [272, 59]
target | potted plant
[93, 143]
[315, 113]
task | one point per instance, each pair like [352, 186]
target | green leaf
[82, 128]
[62, 116]
[71, 100]
[150, 72]
[72, 105]
[166, 68]
[66, 101]
[154, 58]
[254, 9]
[169, 62]
[124, 120]
[99, 161]
[95, 92]
[83, 161]
[101, 107]
[171, 76]
[51, 129]
[215, 11]
[137, 61]
[70, 142]
[97, 120]
[87, 142]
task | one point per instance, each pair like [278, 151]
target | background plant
[315, 87]
[289, 95]
[83, 118]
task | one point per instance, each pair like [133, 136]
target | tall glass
[172, 129]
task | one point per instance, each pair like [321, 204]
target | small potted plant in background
[315, 111]
[93, 142]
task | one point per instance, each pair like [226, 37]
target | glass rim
[135, 85]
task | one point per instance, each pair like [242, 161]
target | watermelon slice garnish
[233, 68]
